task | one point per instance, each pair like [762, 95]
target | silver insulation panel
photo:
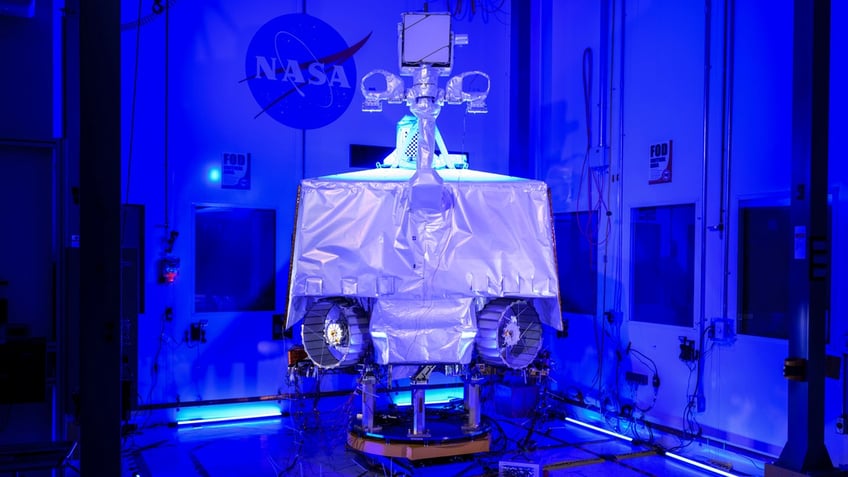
[425, 271]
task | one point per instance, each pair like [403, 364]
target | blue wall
[209, 113]
[662, 98]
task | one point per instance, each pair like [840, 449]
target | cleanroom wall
[702, 91]
[208, 163]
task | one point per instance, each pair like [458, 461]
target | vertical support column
[419, 428]
[100, 199]
[805, 450]
[369, 389]
[472, 404]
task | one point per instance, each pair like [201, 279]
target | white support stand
[419, 424]
[369, 393]
[472, 404]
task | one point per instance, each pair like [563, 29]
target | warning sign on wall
[659, 169]
[235, 171]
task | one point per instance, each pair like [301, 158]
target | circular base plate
[445, 436]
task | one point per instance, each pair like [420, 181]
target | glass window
[234, 259]
[766, 247]
[577, 261]
[662, 251]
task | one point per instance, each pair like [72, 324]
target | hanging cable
[589, 230]
[589, 227]
[587, 94]
[167, 44]
[586, 231]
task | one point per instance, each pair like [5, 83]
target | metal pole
[369, 389]
[419, 428]
[100, 186]
[472, 404]
[603, 76]
[700, 399]
[805, 451]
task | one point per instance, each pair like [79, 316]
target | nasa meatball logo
[300, 71]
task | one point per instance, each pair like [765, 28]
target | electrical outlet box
[599, 158]
[722, 331]
[688, 353]
[197, 332]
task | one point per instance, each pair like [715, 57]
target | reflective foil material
[421, 269]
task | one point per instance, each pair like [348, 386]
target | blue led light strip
[225, 419]
[431, 396]
[227, 413]
[672, 455]
[699, 465]
[599, 429]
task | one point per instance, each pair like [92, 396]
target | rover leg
[472, 404]
[369, 390]
[419, 382]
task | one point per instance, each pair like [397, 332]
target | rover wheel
[335, 331]
[509, 333]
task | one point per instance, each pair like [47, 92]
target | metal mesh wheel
[335, 332]
[509, 333]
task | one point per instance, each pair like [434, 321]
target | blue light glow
[214, 174]
[227, 412]
[598, 429]
[431, 396]
[669, 454]
[402, 175]
[699, 465]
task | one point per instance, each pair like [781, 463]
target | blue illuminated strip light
[599, 429]
[227, 413]
[700, 465]
[402, 175]
[668, 454]
[431, 396]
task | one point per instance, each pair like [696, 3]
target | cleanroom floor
[314, 444]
